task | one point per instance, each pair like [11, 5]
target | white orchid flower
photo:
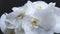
[46, 17]
[5, 25]
[46, 23]
[13, 18]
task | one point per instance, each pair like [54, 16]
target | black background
[6, 5]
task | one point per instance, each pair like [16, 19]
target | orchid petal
[2, 22]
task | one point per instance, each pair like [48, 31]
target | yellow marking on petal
[34, 21]
[39, 7]
[21, 15]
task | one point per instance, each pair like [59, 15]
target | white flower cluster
[32, 18]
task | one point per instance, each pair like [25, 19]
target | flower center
[34, 22]
[21, 15]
